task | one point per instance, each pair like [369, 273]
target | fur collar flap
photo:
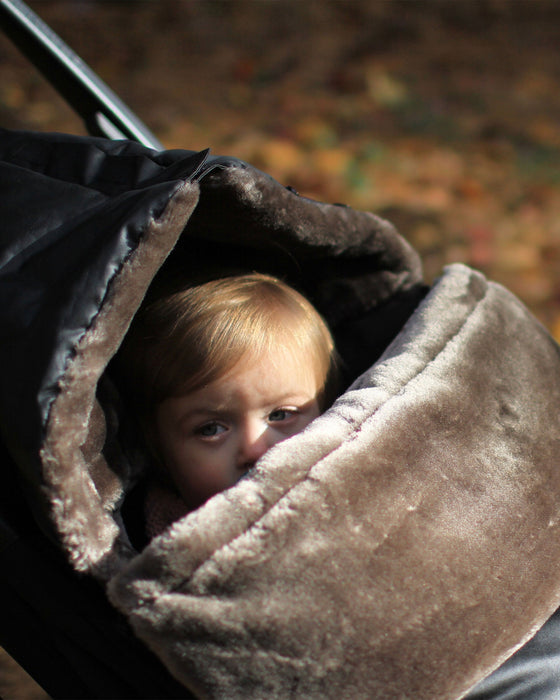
[402, 546]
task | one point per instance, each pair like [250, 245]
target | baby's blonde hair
[183, 340]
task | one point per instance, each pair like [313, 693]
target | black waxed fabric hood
[75, 210]
[403, 546]
[72, 225]
[69, 222]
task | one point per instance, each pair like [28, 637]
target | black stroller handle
[104, 114]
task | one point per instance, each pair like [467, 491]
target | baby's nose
[255, 441]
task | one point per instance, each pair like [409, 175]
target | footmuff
[403, 546]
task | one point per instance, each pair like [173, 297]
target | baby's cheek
[199, 479]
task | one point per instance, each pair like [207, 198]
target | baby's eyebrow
[293, 397]
[201, 410]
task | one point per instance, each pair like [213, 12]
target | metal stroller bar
[103, 113]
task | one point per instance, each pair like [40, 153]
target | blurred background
[440, 115]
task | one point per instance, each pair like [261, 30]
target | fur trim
[77, 490]
[402, 546]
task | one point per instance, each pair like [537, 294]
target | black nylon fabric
[56, 263]
[70, 219]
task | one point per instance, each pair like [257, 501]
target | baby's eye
[210, 430]
[281, 414]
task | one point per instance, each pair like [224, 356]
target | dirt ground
[442, 116]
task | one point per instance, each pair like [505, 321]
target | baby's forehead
[280, 365]
[276, 373]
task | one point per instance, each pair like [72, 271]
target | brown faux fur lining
[402, 546]
[331, 246]
[73, 475]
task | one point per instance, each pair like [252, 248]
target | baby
[219, 373]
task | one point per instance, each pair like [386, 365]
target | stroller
[403, 546]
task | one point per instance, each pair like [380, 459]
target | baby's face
[209, 438]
